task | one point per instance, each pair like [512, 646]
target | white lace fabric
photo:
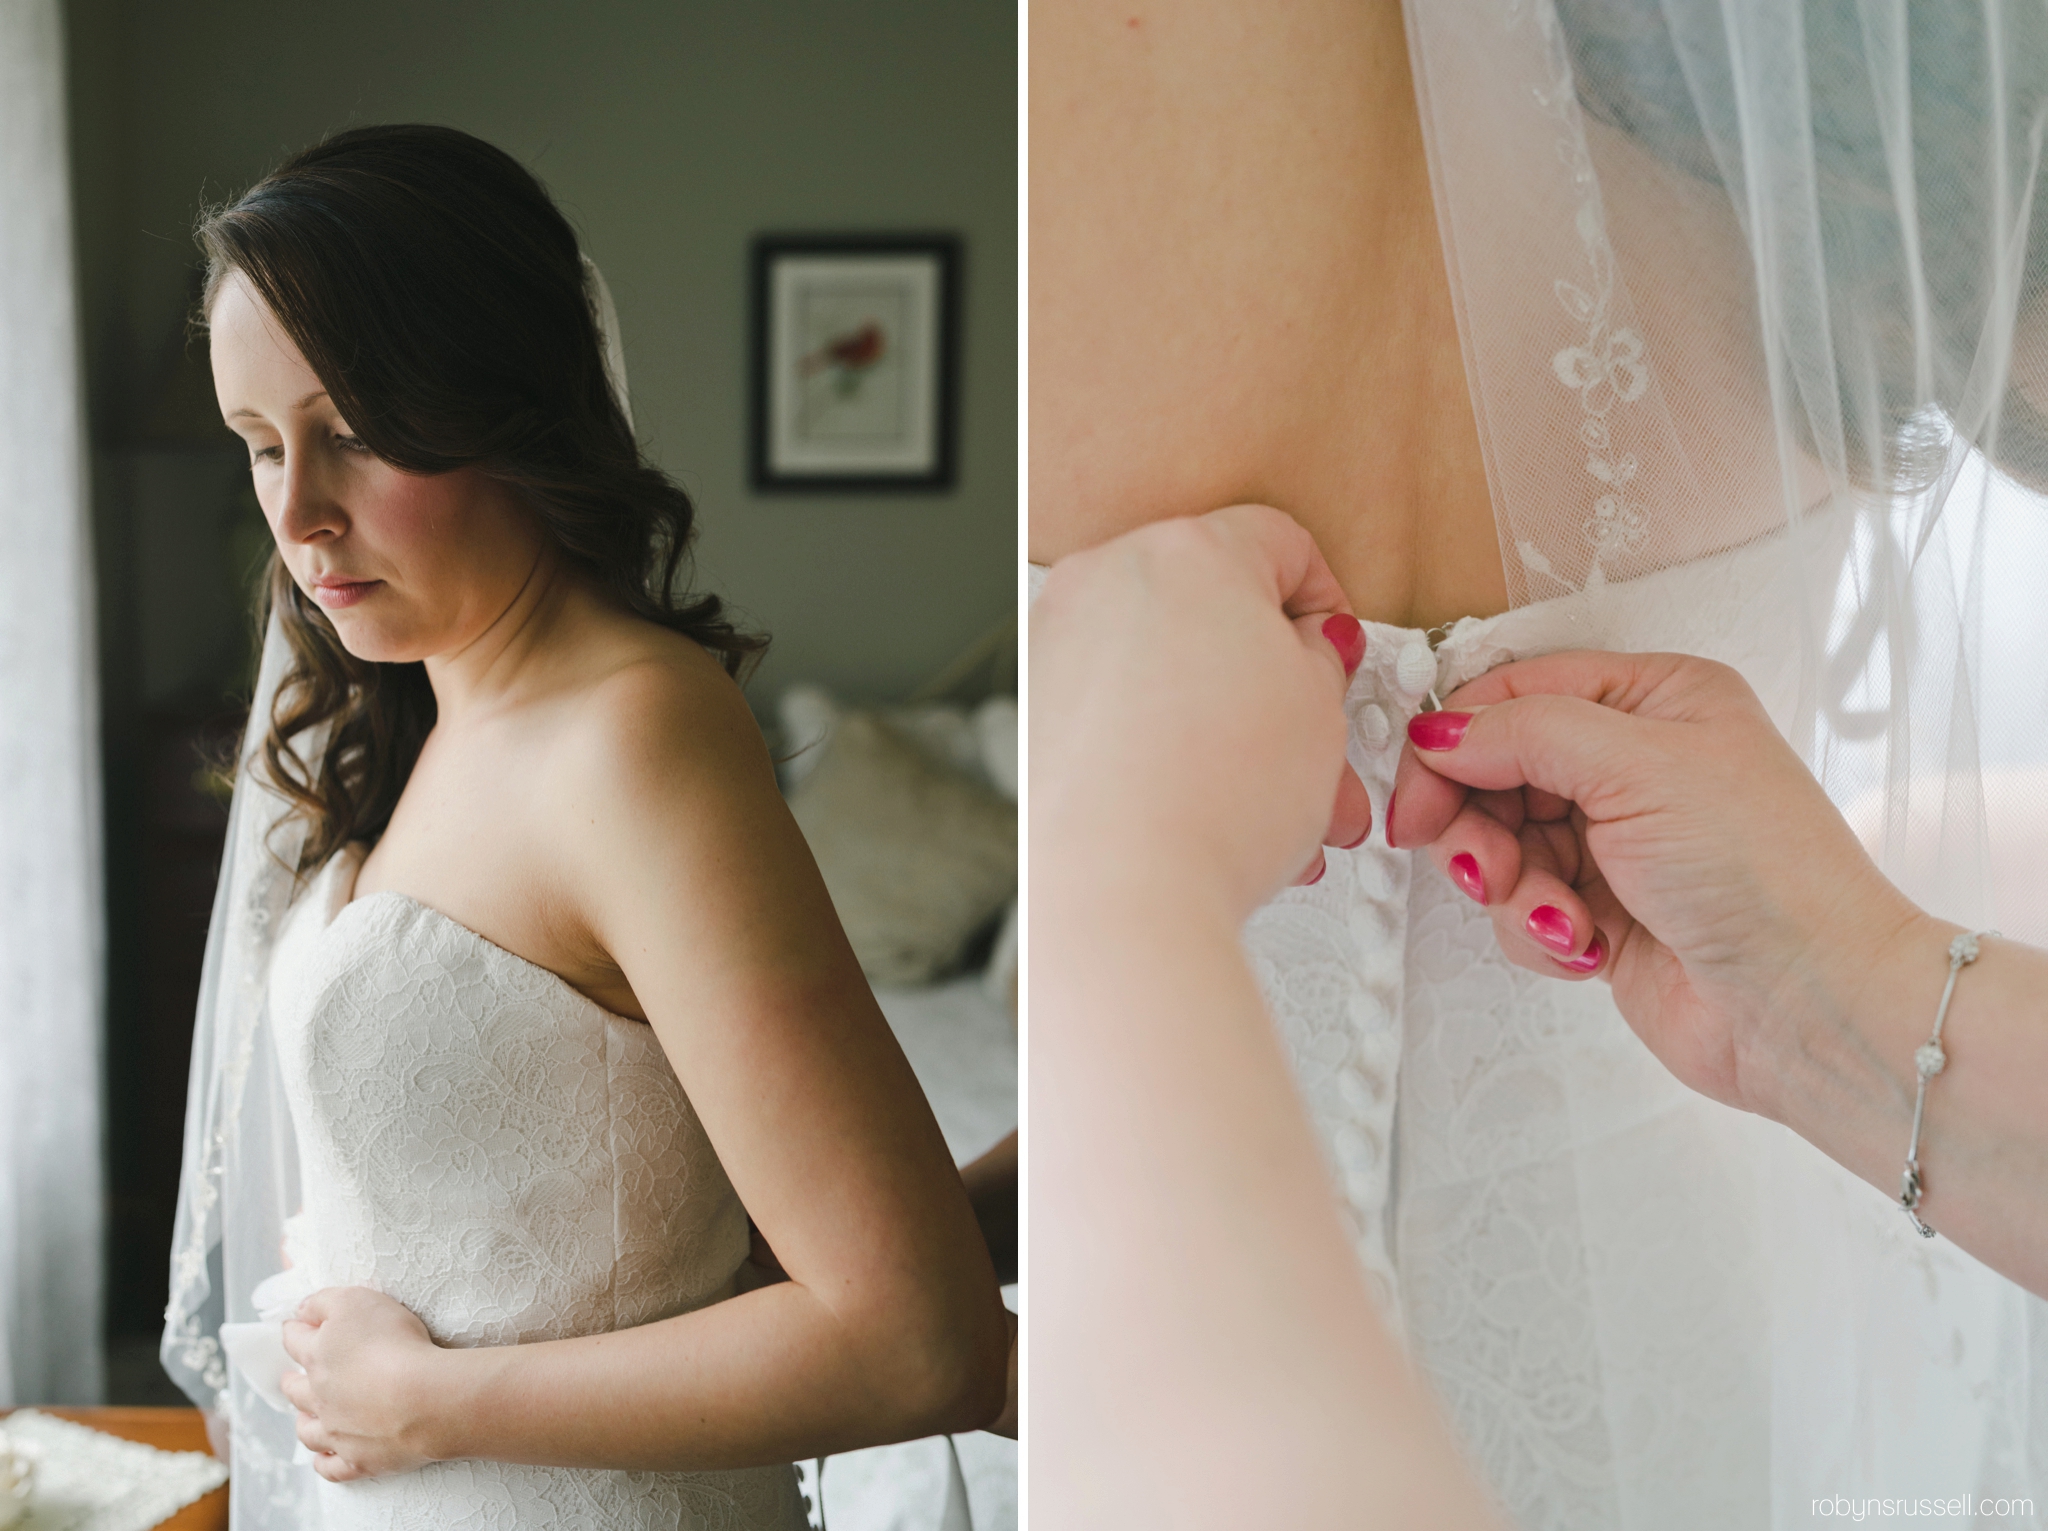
[1606, 1277]
[512, 1163]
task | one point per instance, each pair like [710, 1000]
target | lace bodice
[513, 1163]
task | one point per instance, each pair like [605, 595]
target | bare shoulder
[661, 722]
[677, 864]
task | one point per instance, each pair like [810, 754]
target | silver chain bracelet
[1929, 1060]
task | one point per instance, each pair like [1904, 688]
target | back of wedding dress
[1758, 348]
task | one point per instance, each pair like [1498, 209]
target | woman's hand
[1637, 816]
[1190, 1280]
[1646, 805]
[1189, 684]
[368, 1374]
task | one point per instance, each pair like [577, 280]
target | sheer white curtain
[50, 924]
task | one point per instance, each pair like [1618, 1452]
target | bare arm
[1205, 1351]
[1845, 1082]
[1195, 1287]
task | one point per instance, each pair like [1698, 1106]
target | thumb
[1575, 749]
[1279, 552]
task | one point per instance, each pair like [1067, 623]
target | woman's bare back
[1238, 293]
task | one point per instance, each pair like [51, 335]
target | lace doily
[87, 1480]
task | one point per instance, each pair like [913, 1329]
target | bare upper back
[1237, 293]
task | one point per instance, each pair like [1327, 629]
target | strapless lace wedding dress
[510, 1161]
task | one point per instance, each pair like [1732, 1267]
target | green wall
[670, 134]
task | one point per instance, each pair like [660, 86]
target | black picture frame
[812, 430]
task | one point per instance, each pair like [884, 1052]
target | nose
[306, 508]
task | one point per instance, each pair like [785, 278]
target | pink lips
[335, 593]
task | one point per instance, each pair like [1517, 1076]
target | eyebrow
[317, 393]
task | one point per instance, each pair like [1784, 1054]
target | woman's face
[407, 566]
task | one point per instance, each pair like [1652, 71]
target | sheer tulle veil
[239, 1190]
[1740, 272]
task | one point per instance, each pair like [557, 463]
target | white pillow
[999, 978]
[917, 856]
[995, 722]
[807, 715]
[982, 743]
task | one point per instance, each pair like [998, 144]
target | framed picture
[855, 349]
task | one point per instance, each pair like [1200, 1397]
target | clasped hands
[362, 1395]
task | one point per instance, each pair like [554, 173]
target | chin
[374, 642]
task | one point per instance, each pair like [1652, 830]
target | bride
[1561, 324]
[523, 995]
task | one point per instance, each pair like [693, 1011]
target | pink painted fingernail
[1347, 636]
[1466, 874]
[1553, 927]
[1589, 960]
[1390, 820]
[1363, 835]
[1438, 730]
[1322, 866]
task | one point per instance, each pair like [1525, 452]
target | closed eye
[353, 445]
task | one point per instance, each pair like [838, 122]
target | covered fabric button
[1415, 671]
[1372, 723]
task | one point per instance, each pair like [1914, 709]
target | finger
[298, 1339]
[1313, 872]
[1507, 807]
[314, 1436]
[1565, 746]
[336, 1469]
[1616, 925]
[318, 1308]
[1624, 682]
[298, 1390]
[1350, 814]
[1481, 855]
[1542, 922]
[1335, 639]
[1426, 800]
[1278, 549]
[1346, 635]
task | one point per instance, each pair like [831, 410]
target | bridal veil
[231, 1251]
[1747, 273]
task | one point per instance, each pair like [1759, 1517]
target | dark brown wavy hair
[432, 285]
